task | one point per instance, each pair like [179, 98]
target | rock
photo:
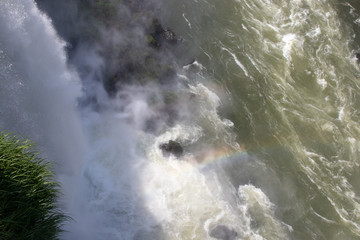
[357, 55]
[172, 147]
[169, 36]
[157, 27]
[222, 232]
[161, 35]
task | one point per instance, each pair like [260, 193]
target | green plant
[27, 195]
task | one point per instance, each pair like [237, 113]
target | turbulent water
[267, 115]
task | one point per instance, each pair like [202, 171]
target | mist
[101, 86]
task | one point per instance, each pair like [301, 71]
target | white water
[38, 91]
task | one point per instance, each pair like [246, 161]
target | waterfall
[190, 119]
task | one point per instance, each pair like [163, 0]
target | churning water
[268, 116]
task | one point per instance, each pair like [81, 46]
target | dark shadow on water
[349, 13]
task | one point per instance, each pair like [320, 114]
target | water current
[267, 115]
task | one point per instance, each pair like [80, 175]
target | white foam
[187, 20]
[289, 40]
[260, 209]
[237, 61]
[322, 82]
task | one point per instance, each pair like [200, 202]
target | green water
[292, 81]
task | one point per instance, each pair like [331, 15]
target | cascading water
[266, 116]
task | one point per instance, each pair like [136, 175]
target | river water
[267, 114]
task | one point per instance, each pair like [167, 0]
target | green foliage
[151, 41]
[27, 195]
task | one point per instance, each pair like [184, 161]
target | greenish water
[267, 115]
[293, 81]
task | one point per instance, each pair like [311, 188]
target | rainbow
[210, 156]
